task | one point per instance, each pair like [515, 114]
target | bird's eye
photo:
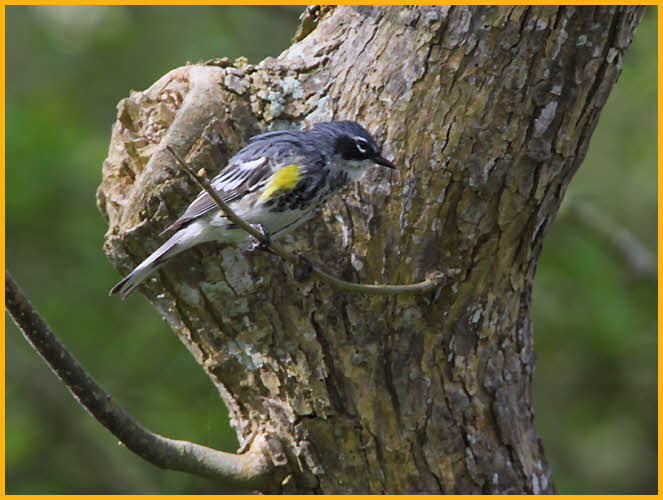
[361, 144]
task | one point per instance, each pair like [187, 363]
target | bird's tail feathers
[169, 249]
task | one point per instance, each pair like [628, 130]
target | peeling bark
[488, 112]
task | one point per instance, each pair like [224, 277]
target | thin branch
[434, 280]
[251, 470]
[639, 259]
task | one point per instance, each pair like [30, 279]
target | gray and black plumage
[276, 181]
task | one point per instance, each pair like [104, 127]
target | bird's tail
[169, 249]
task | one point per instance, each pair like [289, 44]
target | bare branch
[434, 280]
[251, 470]
[639, 259]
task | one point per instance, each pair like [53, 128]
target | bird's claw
[263, 242]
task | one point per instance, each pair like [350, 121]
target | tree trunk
[488, 112]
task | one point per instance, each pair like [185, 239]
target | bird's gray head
[352, 144]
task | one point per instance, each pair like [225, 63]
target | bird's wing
[257, 166]
[235, 181]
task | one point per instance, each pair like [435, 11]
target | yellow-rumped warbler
[275, 182]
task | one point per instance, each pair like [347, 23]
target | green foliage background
[67, 67]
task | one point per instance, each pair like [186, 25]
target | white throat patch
[355, 168]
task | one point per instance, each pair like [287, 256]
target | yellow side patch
[283, 180]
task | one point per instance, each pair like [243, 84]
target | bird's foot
[263, 242]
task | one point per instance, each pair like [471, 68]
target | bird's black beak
[381, 160]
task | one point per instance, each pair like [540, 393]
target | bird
[274, 183]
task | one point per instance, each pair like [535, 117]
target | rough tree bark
[488, 112]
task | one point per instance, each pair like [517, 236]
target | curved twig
[635, 254]
[434, 280]
[250, 470]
